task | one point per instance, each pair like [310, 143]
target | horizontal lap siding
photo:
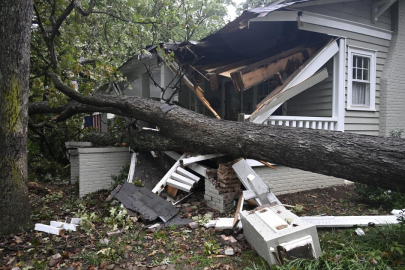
[361, 122]
[315, 101]
[285, 180]
[96, 169]
[356, 11]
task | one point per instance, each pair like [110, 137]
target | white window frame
[373, 65]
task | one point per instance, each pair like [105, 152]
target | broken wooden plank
[261, 115]
[239, 208]
[172, 191]
[187, 174]
[213, 78]
[190, 160]
[237, 80]
[261, 74]
[278, 78]
[350, 221]
[200, 169]
[182, 179]
[162, 183]
[178, 185]
[307, 70]
[63, 225]
[194, 88]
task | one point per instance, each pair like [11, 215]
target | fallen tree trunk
[359, 158]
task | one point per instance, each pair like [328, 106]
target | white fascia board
[322, 2]
[285, 95]
[323, 20]
[278, 16]
[307, 71]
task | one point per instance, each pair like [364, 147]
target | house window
[361, 85]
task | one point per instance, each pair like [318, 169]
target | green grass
[379, 248]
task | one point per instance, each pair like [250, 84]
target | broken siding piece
[350, 221]
[46, 228]
[162, 183]
[182, 179]
[187, 161]
[178, 185]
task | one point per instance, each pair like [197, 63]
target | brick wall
[285, 180]
[222, 186]
[392, 94]
[96, 165]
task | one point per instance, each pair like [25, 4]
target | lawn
[185, 248]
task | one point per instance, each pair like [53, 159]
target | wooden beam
[213, 79]
[278, 78]
[303, 73]
[237, 81]
[261, 74]
[281, 97]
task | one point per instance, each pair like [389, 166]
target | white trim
[328, 21]
[322, 2]
[373, 66]
[302, 118]
[339, 81]
[380, 7]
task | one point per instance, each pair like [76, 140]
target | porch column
[339, 86]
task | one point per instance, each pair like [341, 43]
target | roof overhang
[304, 18]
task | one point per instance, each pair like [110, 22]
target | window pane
[366, 63]
[354, 73]
[365, 75]
[354, 61]
[359, 77]
[361, 93]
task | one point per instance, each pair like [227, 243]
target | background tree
[15, 24]
[249, 4]
[86, 42]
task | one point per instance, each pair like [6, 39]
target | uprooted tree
[366, 159]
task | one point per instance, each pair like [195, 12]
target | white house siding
[285, 180]
[392, 95]
[355, 11]
[361, 122]
[97, 165]
[315, 101]
[289, 180]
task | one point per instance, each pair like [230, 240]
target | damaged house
[332, 65]
[314, 64]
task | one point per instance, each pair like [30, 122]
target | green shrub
[378, 196]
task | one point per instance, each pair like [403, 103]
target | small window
[361, 85]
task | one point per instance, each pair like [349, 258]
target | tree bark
[359, 158]
[15, 30]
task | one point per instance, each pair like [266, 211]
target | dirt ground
[138, 248]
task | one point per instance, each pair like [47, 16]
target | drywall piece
[398, 212]
[187, 174]
[178, 185]
[182, 179]
[46, 228]
[210, 224]
[266, 228]
[63, 225]
[350, 221]
[75, 221]
[187, 161]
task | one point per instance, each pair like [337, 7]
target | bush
[378, 196]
